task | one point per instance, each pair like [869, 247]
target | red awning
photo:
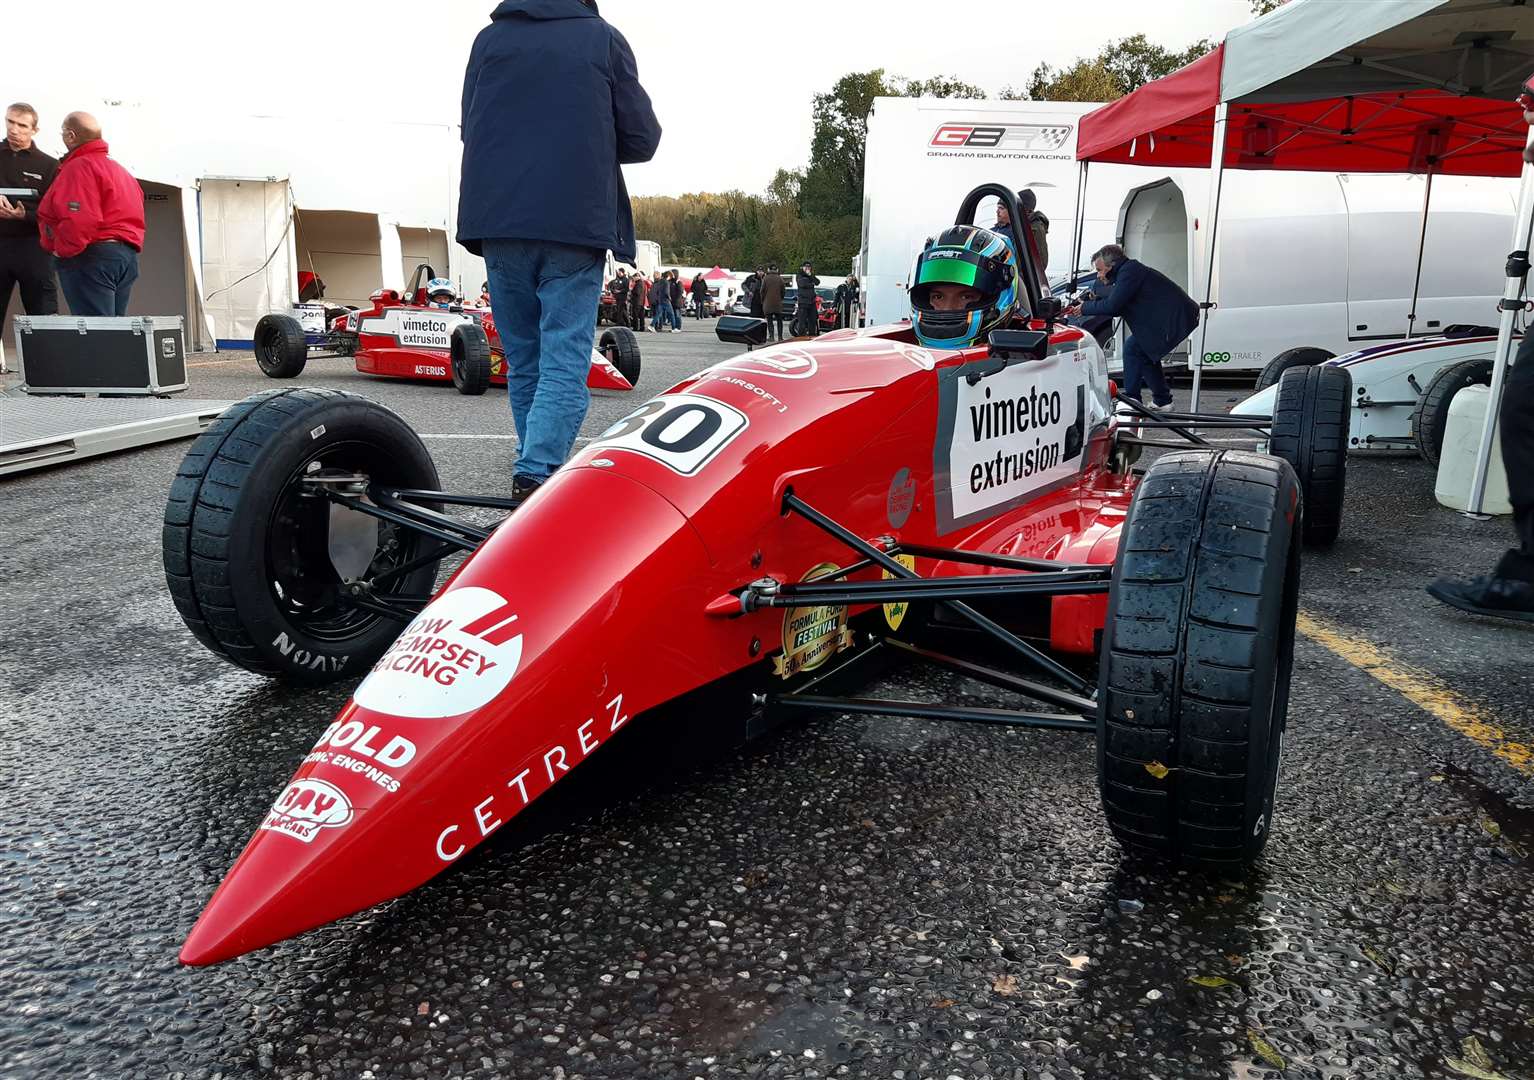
[1181, 103]
[717, 274]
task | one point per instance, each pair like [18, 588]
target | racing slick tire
[280, 348]
[621, 348]
[1304, 356]
[247, 552]
[1310, 431]
[1430, 419]
[1198, 649]
[470, 359]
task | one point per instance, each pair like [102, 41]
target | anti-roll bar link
[921, 710]
[792, 502]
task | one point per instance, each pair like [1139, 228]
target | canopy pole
[1081, 223]
[1416, 284]
[1512, 291]
[1216, 174]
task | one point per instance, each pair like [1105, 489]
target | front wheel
[259, 562]
[1198, 649]
[621, 348]
[1311, 415]
[280, 347]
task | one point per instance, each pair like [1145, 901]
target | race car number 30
[680, 431]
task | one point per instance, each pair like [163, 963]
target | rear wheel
[470, 359]
[1431, 418]
[1198, 648]
[1311, 414]
[621, 348]
[280, 348]
[1304, 356]
[258, 563]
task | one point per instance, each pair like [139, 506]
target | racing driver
[440, 293]
[963, 286]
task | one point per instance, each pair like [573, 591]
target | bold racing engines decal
[415, 328]
[454, 658]
[1007, 437]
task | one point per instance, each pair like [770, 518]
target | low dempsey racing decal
[1007, 437]
[455, 657]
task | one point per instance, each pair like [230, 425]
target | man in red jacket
[92, 220]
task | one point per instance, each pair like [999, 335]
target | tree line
[815, 211]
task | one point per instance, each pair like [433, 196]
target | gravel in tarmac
[855, 896]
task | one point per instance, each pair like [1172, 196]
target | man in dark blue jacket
[1157, 312]
[552, 107]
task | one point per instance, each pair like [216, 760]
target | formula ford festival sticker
[1008, 436]
[812, 635]
[454, 658]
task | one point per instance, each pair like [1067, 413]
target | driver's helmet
[440, 291]
[963, 257]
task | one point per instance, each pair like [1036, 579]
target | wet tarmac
[853, 897]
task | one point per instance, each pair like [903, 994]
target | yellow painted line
[214, 363]
[1422, 690]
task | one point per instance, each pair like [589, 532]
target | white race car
[1402, 389]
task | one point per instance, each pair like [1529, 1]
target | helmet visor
[965, 268]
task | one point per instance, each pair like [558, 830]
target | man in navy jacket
[1158, 313]
[552, 107]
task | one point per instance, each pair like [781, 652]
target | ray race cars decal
[307, 806]
[1007, 437]
[456, 656]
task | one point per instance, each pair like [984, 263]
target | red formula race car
[790, 516]
[402, 336]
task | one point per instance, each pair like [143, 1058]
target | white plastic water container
[1456, 465]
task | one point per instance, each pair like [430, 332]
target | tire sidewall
[326, 426]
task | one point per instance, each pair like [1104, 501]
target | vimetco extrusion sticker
[307, 806]
[1007, 437]
[415, 328]
[455, 657]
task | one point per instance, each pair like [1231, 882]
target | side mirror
[741, 330]
[1019, 344]
[1050, 308]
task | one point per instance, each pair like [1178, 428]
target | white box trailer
[1322, 260]
[925, 154]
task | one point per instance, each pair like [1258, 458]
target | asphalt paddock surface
[856, 896]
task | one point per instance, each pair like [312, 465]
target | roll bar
[1021, 237]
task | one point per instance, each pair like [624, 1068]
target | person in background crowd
[751, 288]
[840, 300]
[639, 300]
[484, 295]
[699, 295]
[1508, 591]
[771, 292]
[92, 221]
[23, 262]
[1158, 313]
[678, 298]
[660, 302]
[544, 229]
[850, 302]
[1038, 224]
[806, 322]
[619, 287]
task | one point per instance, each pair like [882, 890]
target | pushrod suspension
[794, 504]
[972, 587]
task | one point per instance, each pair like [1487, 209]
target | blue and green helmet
[966, 257]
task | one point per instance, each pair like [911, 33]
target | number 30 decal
[680, 431]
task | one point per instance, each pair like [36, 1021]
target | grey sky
[732, 81]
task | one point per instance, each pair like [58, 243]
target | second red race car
[406, 336]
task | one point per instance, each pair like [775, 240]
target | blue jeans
[97, 281]
[544, 297]
[676, 317]
[663, 314]
[1142, 370]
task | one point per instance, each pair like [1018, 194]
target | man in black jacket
[23, 261]
[552, 107]
[1158, 313]
[806, 322]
